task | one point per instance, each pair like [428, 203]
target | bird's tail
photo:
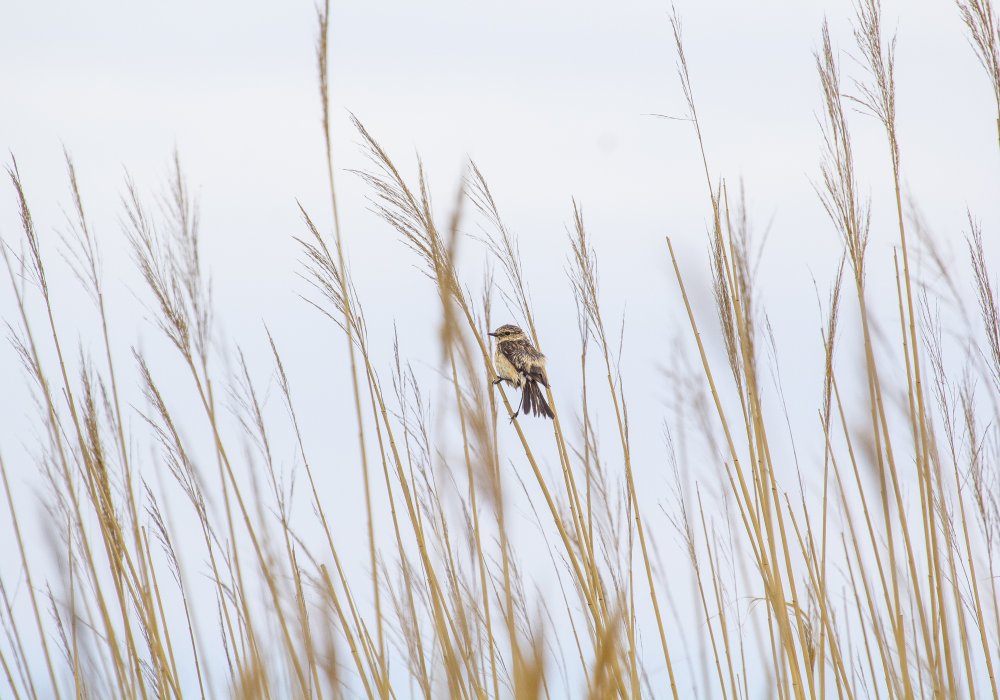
[533, 401]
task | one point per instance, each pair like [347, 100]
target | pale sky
[552, 100]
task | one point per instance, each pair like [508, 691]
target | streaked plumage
[519, 364]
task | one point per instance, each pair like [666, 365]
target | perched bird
[518, 363]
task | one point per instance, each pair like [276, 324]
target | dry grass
[875, 579]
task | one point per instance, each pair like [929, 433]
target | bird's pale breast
[505, 369]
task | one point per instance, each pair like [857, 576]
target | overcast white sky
[553, 100]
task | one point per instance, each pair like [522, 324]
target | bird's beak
[492, 334]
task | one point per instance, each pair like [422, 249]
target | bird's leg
[497, 381]
[514, 415]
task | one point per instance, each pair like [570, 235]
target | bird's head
[507, 332]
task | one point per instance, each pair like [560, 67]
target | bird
[519, 364]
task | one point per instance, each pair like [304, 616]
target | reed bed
[191, 561]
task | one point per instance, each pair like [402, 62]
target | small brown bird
[519, 364]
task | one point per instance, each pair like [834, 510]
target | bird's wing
[534, 365]
[538, 374]
[534, 356]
